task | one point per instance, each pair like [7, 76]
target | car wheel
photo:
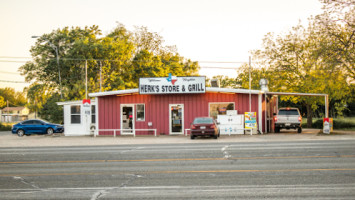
[277, 130]
[299, 130]
[20, 132]
[192, 137]
[215, 136]
[50, 131]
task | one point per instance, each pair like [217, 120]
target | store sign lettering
[172, 85]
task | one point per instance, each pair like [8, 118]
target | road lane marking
[178, 172]
[175, 159]
[200, 187]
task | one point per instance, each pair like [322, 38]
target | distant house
[14, 114]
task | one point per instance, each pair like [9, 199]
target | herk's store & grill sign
[172, 85]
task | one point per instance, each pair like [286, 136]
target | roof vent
[264, 85]
[215, 83]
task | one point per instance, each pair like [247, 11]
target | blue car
[35, 126]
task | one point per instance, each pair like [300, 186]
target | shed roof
[8, 109]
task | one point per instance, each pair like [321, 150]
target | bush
[4, 127]
[338, 123]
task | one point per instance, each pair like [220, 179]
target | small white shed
[76, 121]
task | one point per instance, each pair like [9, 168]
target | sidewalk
[12, 140]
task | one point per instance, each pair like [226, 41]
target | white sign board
[87, 106]
[326, 127]
[172, 85]
[232, 112]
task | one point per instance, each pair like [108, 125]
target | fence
[133, 131]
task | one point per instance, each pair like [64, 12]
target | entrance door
[176, 119]
[127, 119]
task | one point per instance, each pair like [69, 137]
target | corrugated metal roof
[211, 89]
[73, 102]
[208, 89]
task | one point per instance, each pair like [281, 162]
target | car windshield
[44, 121]
[203, 121]
[288, 112]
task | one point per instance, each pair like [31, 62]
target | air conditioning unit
[215, 83]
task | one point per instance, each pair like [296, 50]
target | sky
[209, 31]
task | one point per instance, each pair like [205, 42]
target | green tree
[37, 95]
[14, 98]
[298, 63]
[337, 23]
[51, 111]
[2, 102]
[115, 61]
[122, 55]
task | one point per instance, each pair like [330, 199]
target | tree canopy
[315, 59]
[121, 56]
[114, 61]
[14, 98]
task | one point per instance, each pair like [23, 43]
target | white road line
[200, 187]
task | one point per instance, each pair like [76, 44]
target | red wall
[157, 108]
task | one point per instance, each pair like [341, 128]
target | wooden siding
[157, 108]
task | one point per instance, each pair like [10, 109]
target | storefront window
[140, 112]
[219, 109]
[75, 114]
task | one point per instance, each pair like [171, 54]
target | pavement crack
[98, 194]
[26, 182]
[226, 154]
[132, 177]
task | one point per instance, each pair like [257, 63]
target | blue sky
[202, 30]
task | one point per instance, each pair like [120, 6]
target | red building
[170, 114]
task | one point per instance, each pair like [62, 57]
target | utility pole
[100, 76]
[86, 79]
[7, 119]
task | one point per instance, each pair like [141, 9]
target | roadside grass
[344, 123]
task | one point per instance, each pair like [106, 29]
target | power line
[10, 72]
[8, 81]
[15, 57]
[93, 59]
[13, 61]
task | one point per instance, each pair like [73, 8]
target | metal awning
[296, 94]
[326, 102]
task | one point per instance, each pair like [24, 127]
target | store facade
[169, 106]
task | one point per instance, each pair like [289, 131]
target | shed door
[176, 118]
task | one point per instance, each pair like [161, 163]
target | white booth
[79, 118]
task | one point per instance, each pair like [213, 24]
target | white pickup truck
[288, 118]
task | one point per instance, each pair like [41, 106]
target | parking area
[12, 140]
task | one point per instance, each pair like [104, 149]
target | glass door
[127, 119]
[176, 118]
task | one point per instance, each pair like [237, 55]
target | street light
[57, 55]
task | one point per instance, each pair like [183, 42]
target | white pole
[249, 84]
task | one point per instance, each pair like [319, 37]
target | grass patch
[346, 123]
[5, 126]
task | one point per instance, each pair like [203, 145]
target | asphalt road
[263, 170]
